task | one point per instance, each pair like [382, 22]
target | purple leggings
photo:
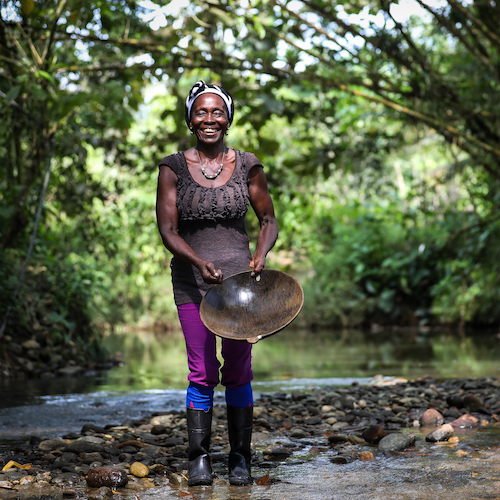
[201, 353]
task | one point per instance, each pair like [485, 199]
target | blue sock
[241, 397]
[199, 396]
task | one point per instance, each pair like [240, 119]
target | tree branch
[452, 29]
[48, 45]
[492, 37]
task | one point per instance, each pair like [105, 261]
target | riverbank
[356, 428]
[31, 358]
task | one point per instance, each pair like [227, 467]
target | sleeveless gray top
[212, 222]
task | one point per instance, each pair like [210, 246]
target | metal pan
[250, 308]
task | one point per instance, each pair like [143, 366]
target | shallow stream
[153, 376]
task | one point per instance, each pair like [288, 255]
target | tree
[76, 73]
[440, 70]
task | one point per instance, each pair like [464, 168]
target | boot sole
[241, 482]
[201, 482]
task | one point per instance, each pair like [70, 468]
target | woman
[203, 197]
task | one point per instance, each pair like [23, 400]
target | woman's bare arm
[262, 204]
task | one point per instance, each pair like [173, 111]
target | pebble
[472, 402]
[345, 423]
[138, 469]
[442, 433]
[431, 418]
[111, 477]
[374, 434]
[465, 422]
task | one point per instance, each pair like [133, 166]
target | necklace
[211, 177]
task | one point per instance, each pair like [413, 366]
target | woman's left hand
[257, 268]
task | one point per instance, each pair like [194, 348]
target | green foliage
[468, 290]
[53, 303]
[379, 140]
[372, 267]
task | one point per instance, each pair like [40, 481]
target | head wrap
[200, 88]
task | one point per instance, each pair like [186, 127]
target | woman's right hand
[209, 274]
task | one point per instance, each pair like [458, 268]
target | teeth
[209, 130]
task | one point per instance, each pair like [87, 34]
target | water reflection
[156, 361]
[154, 373]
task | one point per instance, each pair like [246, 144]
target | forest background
[378, 124]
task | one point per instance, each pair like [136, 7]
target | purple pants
[201, 353]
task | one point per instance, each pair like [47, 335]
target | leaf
[262, 481]
[46, 75]
[27, 6]
[39, 93]
[11, 464]
[12, 94]
[7, 487]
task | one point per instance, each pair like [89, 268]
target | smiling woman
[203, 197]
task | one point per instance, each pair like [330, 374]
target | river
[153, 378]
[153, 374]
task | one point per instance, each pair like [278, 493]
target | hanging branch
[48, 45]
[479, 52]
[492, 36]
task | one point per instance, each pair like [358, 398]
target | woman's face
[209, 118]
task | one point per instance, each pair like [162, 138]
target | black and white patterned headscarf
[200, 88]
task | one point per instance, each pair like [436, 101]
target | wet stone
[374, 434]
[83, 445]
[452, 413]
[298, 433]
[456, 401]
[94, 428]
[157, 430]
[442, 433]
[465, 422]
[52, 444]
[337, 438]
[89, 458]
[396, 442]
[138, 469]
[277, 453]
[101, 493]
[366, 456]
[472, 402]
[431, 418]
[111, 477]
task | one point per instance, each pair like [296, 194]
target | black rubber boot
[240, 423]
[199, 423]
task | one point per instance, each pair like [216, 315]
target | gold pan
[250, 308]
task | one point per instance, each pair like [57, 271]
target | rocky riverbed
[336, 429]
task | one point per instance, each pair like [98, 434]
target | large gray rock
[84, 446]
[52, 444]
[396, 442]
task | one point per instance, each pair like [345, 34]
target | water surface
[153, 374]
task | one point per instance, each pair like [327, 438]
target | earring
[191, 131]
[227, 131]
